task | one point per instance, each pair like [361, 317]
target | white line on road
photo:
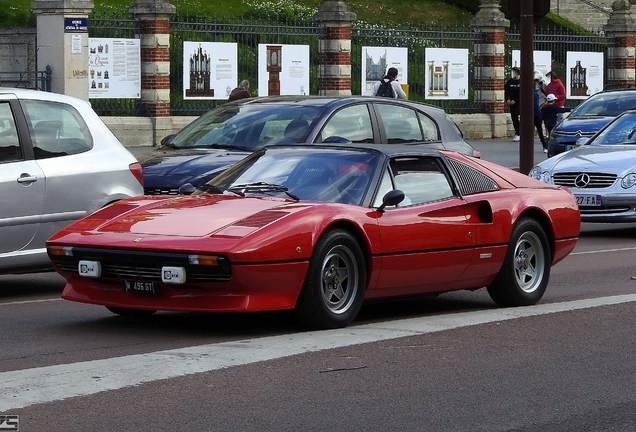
[29, 301]
[604, 251]
[51, 383]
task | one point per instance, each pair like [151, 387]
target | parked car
[601, 172]
[58, 162]
[319, 228]
[227, 134]
[589, 117]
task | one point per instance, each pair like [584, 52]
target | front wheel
[334, 286]
[130, 312]
[525, 272]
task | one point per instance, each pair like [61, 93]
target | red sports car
[318, 229]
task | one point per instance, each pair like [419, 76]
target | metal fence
[248, 34]
[38, 80]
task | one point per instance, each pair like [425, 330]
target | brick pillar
[621, 62]
[153, 17]
[491, 25]
[334, 59]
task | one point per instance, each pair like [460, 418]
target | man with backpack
[389, 86]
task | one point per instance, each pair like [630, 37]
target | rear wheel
[524, 276]
[334, 286]
[130, 312]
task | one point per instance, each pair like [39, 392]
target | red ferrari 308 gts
[319, 229]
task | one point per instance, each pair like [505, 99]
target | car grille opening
[584, 180]
[142, 265]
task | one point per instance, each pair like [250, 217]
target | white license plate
[588, 200]
[89, 268]
[140, 287]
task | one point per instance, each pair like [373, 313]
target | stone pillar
[489, 79]
[334, 59]
[621, 61]
[62, 43]
[153, 17]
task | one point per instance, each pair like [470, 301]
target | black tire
[525, 272]
[130, 312]
[333, 291]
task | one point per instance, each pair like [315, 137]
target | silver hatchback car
[58, 163]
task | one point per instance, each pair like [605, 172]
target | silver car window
[9, 143]
[401, 124]
[56, 129]
[352, 123]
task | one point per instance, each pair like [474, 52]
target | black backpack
[385, 89]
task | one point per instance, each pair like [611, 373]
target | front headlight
[628, 181]
[538, 174]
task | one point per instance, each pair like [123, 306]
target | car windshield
[620, 131]
[328, 175]
[248, 126]
[609, 104]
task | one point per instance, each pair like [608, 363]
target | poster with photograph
[287, 64]
[209, 69]
[377, 60]
[583, 74]
[114, 68]
[446, 73]
[542, 62]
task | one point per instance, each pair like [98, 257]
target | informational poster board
[210, 69]
[446, 73]
[114, 68]
[583, 74]
[293, 75]
[542, 62]
[377, 60]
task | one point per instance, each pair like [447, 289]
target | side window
[421, 179]
[56, 129]
[352, 123]
[9, 143]
[386, 185]
[401, 124]
[429, 128]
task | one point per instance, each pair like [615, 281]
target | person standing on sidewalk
[511, 93]
[556, 87]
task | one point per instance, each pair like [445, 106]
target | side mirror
[187, 189]
[582, 141]
[167, 139]
[391, 198]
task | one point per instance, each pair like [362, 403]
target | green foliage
[16, 13]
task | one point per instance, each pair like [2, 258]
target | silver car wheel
[529, 262]
[340, 280]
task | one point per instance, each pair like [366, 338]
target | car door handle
[27, 178]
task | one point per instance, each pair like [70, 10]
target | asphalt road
[454, 362]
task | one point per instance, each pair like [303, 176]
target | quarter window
[56, 129]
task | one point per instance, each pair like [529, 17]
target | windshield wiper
[262, 187]
[216, 190]
[224, 146]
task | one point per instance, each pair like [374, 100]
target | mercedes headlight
[538, 174]
[628, 181]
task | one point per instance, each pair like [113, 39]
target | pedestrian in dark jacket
[550, 111]
[538, 121]
[241, 92]
[511, 93]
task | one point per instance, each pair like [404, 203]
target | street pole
[526, 111]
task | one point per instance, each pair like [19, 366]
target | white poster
[209, 69]
[377, 60]
[542, 62]
[114, 68]
[584, 74]
[446, 74]
[291, 69]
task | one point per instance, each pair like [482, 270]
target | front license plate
[588, 200]
[140, 287]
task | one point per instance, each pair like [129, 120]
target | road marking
[29, 301]
[604, 251]
[52, 383]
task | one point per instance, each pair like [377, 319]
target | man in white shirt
[391, 77]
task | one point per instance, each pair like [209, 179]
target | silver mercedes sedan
[58, 163]
[601, 172]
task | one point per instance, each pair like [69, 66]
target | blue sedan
[226, 134]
